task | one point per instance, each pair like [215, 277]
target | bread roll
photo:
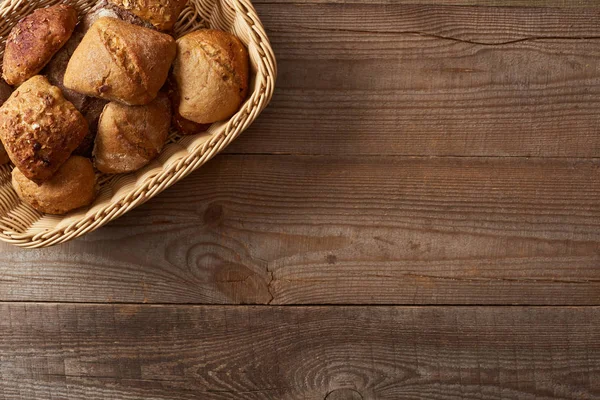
[40, 129]
[35, 39]
[121, 62]
[73, 186]
[211, 70]
[129, 137]
[107, 9]
[162, 14]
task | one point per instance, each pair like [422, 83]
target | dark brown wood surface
[435, 164]
[321, 230]
[393, 78]
[54, 351]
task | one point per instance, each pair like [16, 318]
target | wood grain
[481, 3]
[321, 230]
[131, 352]
[431, 80]
[349, 216]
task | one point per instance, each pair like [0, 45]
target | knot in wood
[344, 394]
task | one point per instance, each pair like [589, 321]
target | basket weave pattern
[23, 226]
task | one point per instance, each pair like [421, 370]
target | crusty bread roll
[121, 62]
[129, 137]
[211, 70]
[106, 9]
[73, 186]
[35, 39]
[40, 129]
[162, 14]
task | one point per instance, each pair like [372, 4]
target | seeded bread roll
[73, 186]
[162, 14]
[5, 92]
[35, 39]
[211, 70]
[40, 129]
[129, 137]
[121, 62]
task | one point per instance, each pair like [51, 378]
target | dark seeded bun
[40, 128]
[35, 39]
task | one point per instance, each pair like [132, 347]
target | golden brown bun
[107, 9]
[121, 62]
[129, 137]
[73, 186]
[211, 70]
[35, 39]
[162, 14]
[40, 129]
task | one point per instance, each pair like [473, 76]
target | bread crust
[211, 70]
[35, 39]
[129, 137]
[163, 14]
[108, 9]
[121, 62]
[40, 128]
[72, 187]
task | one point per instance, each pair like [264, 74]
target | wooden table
[416, 216]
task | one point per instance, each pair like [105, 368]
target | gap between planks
[300, 306]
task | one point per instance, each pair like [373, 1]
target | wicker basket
[22, 226]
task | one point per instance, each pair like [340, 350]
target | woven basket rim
[150, 186]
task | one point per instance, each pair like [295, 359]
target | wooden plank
[431, 80]
[321, 230]
[484, 3]
[130, 352]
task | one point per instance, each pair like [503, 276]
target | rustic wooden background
[416, 216]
